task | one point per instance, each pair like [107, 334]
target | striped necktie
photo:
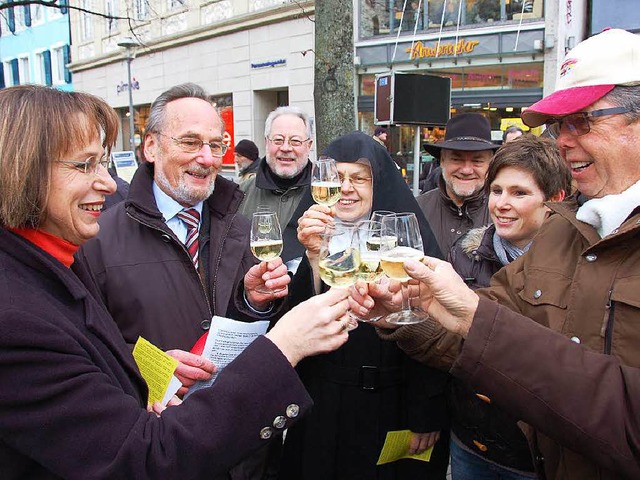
[191, 218]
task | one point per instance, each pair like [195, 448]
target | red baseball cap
[590, 71]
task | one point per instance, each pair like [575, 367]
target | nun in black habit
[367, 387]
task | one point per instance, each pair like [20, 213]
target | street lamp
[130, 45]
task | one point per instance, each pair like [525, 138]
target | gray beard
[181, 193]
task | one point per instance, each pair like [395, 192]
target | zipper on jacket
[608, 326]
[184, 249]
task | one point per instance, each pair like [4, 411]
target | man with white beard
[459, 203]
[284, 175]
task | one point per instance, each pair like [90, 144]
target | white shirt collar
[168, 206]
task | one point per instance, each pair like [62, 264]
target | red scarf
[57, 247]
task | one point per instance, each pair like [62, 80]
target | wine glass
[404, 229]
[326, 188]
[339, 257]
[377, 215]
[370, 239]
[266, 240]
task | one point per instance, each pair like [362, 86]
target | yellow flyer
[396, 446]
[157, 368]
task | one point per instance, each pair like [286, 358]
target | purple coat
[72, 403]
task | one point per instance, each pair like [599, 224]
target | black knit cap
[247, 149]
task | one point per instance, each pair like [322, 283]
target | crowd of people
[526, 368]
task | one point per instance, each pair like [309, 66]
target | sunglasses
[579, 123]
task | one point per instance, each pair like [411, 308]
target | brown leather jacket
[585, 288]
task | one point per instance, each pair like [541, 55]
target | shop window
[524, 76]
[483, 77]
[367, 84]
[385, 17]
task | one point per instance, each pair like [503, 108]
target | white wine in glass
[392, 262]
[326, 188]
[408, 245]
[266, 239]
[265, 250]
[339, 258]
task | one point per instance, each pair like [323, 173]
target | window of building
[53, 13]
[141, 9]
[38, 68]
[23, 69]
[60, 57]
[37, 14]
[175, 4]
[86, 22]
[111, 9]
[386, 17]
[20, 18]
[6, 73]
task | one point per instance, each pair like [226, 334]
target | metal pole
[131, 126]
[416, 162]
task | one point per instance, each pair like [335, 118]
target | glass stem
[406, 305]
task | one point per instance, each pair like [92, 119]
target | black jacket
[145, 275]
[483, 428]
[368, 386]
[448, 221]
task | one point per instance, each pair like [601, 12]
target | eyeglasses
[357, 181]
[193, 145]
[293, 142]
[579, 123]
[90, 165]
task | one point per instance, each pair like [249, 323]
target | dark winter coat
[73, 404]
[474, 258]
[483, 428]
[367, 387]
[145, 275]
[283, 196]
[448, 221]
[578, 390]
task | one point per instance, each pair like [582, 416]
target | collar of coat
[266, 180]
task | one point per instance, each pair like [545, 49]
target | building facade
[250, 55]
[34, 46]
[501, 55]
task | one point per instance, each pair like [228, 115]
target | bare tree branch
[55, 4]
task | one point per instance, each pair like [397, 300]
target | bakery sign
[450, 49]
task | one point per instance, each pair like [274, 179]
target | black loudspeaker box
[412, 98]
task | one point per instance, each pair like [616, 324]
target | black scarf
[267, 180]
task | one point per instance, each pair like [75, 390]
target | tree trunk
[334, 100]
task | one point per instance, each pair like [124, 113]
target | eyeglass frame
[179, 142]
[288, 140]
[362, 181]
[555, 125]
[84, 166]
